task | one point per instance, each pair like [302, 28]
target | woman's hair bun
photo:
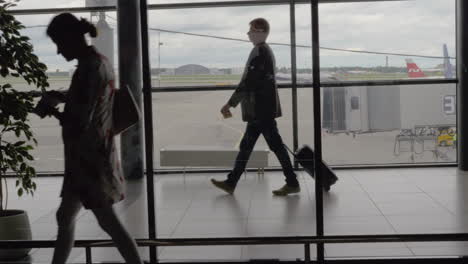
[87, 27]
[66, 24]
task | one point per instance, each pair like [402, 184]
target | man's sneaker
[329, 183]
[286, 189]
[223, 186]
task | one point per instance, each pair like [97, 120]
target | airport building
[378, 108]
[393, 139]
[191, 69]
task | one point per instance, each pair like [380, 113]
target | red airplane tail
[413, 70]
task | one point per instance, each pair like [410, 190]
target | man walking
[258, 94]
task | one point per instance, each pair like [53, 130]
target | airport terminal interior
[375, 88]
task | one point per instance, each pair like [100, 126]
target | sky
[417, 27]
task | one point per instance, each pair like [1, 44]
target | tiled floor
[377, 201]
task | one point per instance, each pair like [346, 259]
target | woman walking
[93, 177]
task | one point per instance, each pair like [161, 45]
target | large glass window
[393, 124]
[205, 54]
[375, 41]
[384, 124]
[209, 46]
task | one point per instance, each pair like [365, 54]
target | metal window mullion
[89, 258]
[303, 85]
[317, 126]
[148, 120]
[292, 15]
[462, 76]
[457, 125]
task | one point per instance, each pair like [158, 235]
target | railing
[196, 88]
[305, 240]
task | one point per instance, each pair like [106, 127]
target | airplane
[415, 72]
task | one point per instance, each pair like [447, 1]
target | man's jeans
[269, 130]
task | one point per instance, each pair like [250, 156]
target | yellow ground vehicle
[447, 137]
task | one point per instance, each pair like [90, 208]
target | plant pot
[14, 225]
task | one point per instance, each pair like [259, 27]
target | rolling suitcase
[305, 157]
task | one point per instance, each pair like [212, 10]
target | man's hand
[225, 111]
[225, 108]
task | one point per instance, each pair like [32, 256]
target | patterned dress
[92, 168]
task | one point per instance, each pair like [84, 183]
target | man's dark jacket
[257, 91]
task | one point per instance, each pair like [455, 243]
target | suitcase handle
[290, 151]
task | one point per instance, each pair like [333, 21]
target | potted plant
[17, 61]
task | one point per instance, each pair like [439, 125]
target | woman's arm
[57, 114]
[60, 97]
